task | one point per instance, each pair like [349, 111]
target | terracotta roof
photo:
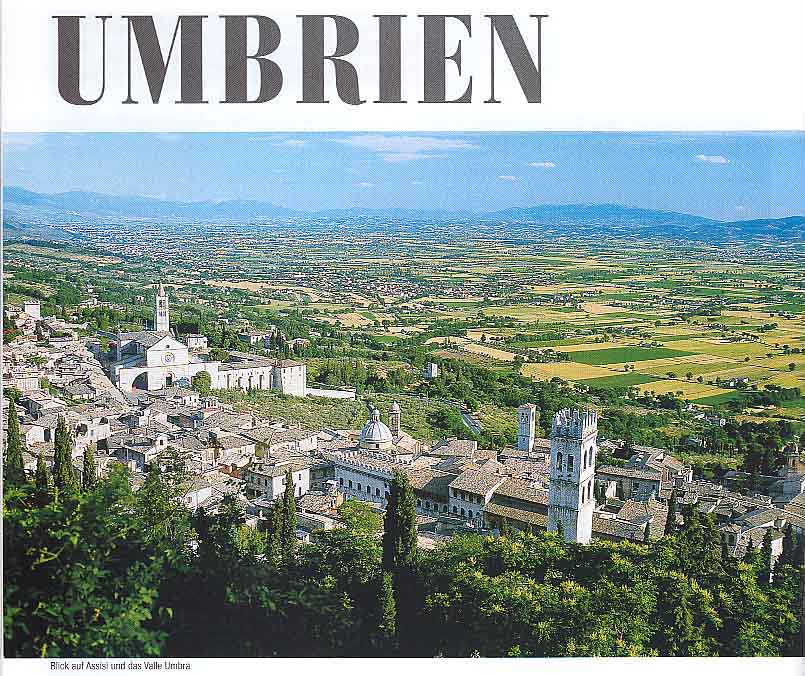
[612, 470]
[477, 482]
[515, 514]
[522, 490]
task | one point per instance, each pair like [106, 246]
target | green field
[718, 399]
[620, 355]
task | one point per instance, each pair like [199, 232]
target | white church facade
[153, 360]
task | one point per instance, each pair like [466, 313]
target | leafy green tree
[360, 518]
[14, 464]
[63, 474]
[89, 471]
[79, 579]
[202, 383]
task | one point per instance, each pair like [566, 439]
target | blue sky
[726, 176]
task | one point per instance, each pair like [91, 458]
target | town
[400, 417]
[139, 404]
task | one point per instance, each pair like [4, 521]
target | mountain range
[32, 214]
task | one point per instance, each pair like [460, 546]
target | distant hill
[26, 209]
[99, 205]
[632, 221]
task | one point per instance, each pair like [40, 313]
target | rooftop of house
[477, 481]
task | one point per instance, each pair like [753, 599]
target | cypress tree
[63, 475]
[647, 532]
[764, 575]
[789, 546]
[89, 474]
[750, 555]
[400, 559]
[670, 521]
[387, 626]
[273, 551]
[14, 465]
[399, 532]
[560, 530]
[42, 476]
[288, 518]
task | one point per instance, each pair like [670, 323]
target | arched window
[559, 461]
[570, 463]
[463, 513]
[470, 514]
[590, 455]
[368, 488]
[419, 503]
[359, 487]
[350, 483]
[341, 481]
[377, 492]
[455, 509]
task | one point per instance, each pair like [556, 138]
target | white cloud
[543, 164]
[291, 142]
[406, 148]
[506, 177]
[406, 157]
[713, 159]
[365, 184]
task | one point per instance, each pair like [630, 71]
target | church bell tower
[161, 311]
[574, 445]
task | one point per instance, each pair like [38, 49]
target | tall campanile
[161, 312]
[574, 446]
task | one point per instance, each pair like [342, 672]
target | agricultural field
[657, 317]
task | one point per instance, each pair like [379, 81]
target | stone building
[156, 359]
[574, 444]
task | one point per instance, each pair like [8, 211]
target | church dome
[375, 433]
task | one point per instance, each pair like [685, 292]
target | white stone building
[153, 360]
[268, 479]
[526, 427]
[574, 445]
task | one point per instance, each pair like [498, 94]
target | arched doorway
[141, 381]
[168, 380]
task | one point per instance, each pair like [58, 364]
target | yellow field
[690, 390]
[353, 320]
[600, 308]
[565, 370]
[721, 348]
[486, 351]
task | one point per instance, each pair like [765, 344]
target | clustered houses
[550, 483]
